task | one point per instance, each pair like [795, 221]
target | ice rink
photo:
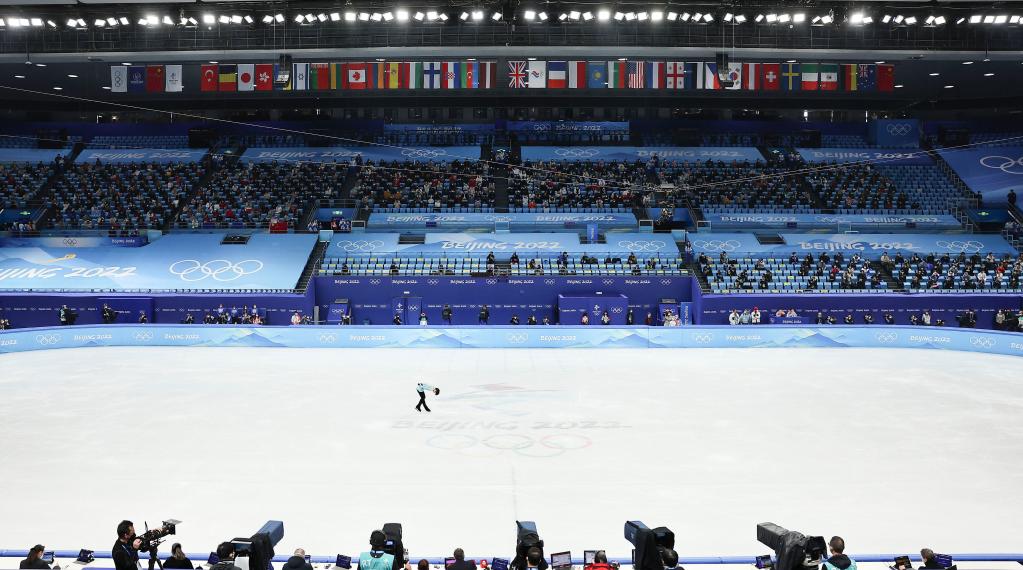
[892, 449]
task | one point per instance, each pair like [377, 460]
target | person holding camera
[376, 558]
[226, 553]
[35, 561]
[66, 316]
[126, 550]
[109, 315]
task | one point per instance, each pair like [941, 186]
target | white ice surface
[893, 449]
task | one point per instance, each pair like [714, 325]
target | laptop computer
[343, 561]
[589, 556]
[561, 560]
[902, 563]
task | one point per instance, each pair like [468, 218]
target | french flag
[557, 75]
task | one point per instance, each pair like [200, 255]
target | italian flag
[811, 76]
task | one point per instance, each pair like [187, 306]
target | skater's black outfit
[421, 389]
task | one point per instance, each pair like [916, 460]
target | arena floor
[892, 449]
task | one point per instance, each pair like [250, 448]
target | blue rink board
[514, 337]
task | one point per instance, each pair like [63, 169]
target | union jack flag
[517, 74]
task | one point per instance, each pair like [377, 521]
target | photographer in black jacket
[109, 315]
[126, 550]
[34, 561]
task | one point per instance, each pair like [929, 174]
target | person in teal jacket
[838, 560]
[376, 558]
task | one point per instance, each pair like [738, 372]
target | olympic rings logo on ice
[47, 339]
[327, 338]
[144, 336]
[717, 245]
[423, 152]
[491, 281]
[1004, 163]
[969, 246]
[218, 269]
[899, 129]
[982, 342]
[641, 245]
[887, 337]
[576, 152]
[374, 281]
[703, 338]
[549, 282]
[70, 242]
[551, 445]
[516, 338]
[360, 245]
[433, 281]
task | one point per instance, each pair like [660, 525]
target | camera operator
[930, 562]
[126, 550]
[670, 559]
[533, 558]
[66, 316]
[177, 559]
[838, 560]
[376, 558]
[226, 554]
[35, 559]
[109, 315]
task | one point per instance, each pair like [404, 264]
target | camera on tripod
[654, 548]
[256, 551]
[792, 550]
[393, 544]
[152, 538]
[526, 538]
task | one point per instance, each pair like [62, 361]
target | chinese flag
[264, 77]
[154, 79]
[209, 78]
[886, 78]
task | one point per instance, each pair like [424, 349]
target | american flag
[517, 74]
[636, 75]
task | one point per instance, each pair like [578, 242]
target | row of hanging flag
[687, 75]
[528, 74]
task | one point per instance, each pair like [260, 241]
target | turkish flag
[210, 78]
[771, 80]
[264, 77]
[154, 79]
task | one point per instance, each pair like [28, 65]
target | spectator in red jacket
[599, 562]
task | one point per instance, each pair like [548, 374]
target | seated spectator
[929, 560]
[599, 562]
[297, 561]
[177, 559]
[460, 562]
[226, 554]
[34, 560]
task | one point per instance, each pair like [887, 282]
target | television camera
[527, 537]
[256, 551]
[792, 550]
[153, 537]
[654, 549]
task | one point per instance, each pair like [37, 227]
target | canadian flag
[355, 76]
[265, 77]
[246, 77]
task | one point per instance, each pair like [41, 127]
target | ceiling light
[542, 16]
[934, 74]
[630, 16]
[376, 17]
[856, 18]
[798, 18]
[350, 16]
[562, 17]
[529, 15]
[24, 22]
[463, 16]
[53, 24]
[975, 19]
[37, 22]
[321, 17]
[363, 16]
[431, 15]
[444, 17]
[248, 19]
[949, 86]
[224, 19]
[125, 63]
[236, 19]
[656, 16]
[496, 16]
[989, 74]
[772, 18]
[124, 21]
[1013, 19]
[58, 88]
[784, 18]
[1001, 19]
[401, 13]
[967, 63]
[827, 19]
[268, 19]
[729, 16]
[899, 18]
[642, 16]
[880, 62]
[886, 18]
[911, 20]
[929, 20]
[208, 19]
[99, 22]
[759, 18]
[107, 87]
[603, 15]
[477, 15]
[279, 18]
[72, 76]
[989, 19]
[40, 65]
[960, 21]
[587, 16]
[697, 16]
[19, 77]
[388, 16]
[574, 14]
[899, 86]
[619, 16]
[419, 16]
[214, 62]
[708, 18]
[299, 18]
[868, 19]
[70, 22]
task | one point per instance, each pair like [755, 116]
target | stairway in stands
[500, 173]
[211, 171]
[311, 267]
[887, 276]
[42, 196]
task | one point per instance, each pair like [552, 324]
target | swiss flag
[354, 76]
[771, 80]
[210, 77]
[264, 77]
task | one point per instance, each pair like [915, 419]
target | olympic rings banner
[368, 153]
[990, 171]
[870, 246]
[522, 336]
[879, 157]
[171, 263]
[502, 245]
[744, 220]
[518, 222]
[632, 153]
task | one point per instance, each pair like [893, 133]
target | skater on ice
[423, 389]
